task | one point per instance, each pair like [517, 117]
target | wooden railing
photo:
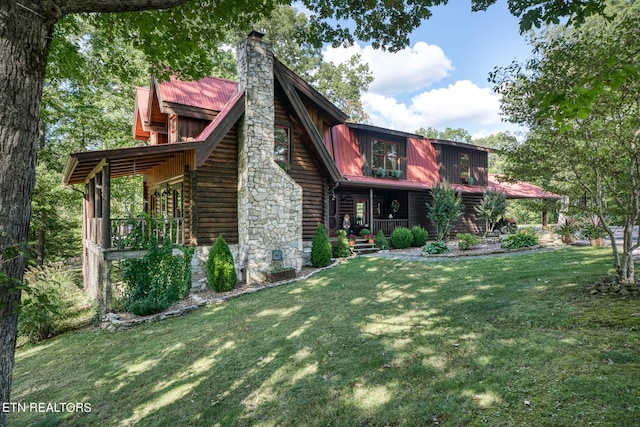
[132, 233]
[388, 225]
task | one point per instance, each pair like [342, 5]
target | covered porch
[106, 239]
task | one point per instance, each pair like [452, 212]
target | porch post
[106, 207]
[371, 211]
[545, 218]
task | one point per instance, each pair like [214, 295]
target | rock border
[113, 322]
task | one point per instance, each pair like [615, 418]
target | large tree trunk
[24, 42]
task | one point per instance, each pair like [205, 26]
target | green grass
[504, 341]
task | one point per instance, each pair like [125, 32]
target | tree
[491, 209]
[449, 134]
[444, 209]
[580, 97]
[320, 248]
[177, 37]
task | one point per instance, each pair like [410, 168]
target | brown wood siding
[187, 203]
[170, 171]
[216, 195]
[189, 128]
[449, 157]
[468, 222]
[304, 170]
[418, 211]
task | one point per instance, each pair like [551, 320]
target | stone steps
[363, 246]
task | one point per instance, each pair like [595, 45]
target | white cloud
[462, 104]
[409, 70]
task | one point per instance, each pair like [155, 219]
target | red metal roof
[210, 93]
[140, 113]
[343, 148]
[520, 189]
[422, 165]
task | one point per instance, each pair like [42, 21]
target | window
[281, 147]
[385, 155]
[362, 212]
[464, 167]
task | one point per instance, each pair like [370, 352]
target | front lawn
[503, 341]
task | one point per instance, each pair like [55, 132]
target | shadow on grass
[370, 342]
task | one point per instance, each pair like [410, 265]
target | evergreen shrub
[419, 236]
[401, 238]
[221, 273]
[340, 247]
[381, 241]
[321, 248]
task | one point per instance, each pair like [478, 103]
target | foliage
[340, 248]
[53, 301]
[491, 208]
[567, 226]
[401, 238]
[381, 241]
[449, 134]
[221, 272]
[156, 280]
[581, 92]
[436, 248]
[444, 209]
[467, 241]
[592, 227]
[364, 232]
[320, 248]
[419, 236]
[522, 239]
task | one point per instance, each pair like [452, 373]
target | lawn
[505, 341]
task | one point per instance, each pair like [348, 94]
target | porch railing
[132, 233]
[388, 225]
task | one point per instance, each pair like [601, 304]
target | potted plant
[397, 173]
[352, 239]
[364, 233]
[566, 228]
[371, 238]
[381, 172]
[593, 230]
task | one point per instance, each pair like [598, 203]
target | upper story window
[464, 165]
[281, 147]
[385, 158]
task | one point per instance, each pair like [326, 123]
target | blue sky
[440, 80]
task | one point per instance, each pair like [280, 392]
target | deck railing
[388, 225]
[132, 233]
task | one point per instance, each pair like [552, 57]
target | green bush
[365, 232]
[435, 248]
[320, 248]
[467, 241]
[221, 273]
[40, 312]
[340, 247]
[445, 208]
[381, 241]
[523, 239]
[420, 236]
[401, 238]
[159, 278]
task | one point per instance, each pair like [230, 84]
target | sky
[440, 80]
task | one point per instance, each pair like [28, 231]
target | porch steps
[363, 246]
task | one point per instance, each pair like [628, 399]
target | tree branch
[108, 6]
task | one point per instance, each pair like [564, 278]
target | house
[262, 162]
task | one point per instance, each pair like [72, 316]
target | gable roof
[208, 93]
[519, 189]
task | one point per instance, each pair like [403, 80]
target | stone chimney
[269, 200]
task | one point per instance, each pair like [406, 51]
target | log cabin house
[262, 162]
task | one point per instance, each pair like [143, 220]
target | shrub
[467, 241]
[156, 280]
[221, 273]
[40, 312]
[320, 248]
[524, 239]
[491, 209]
[401, 238]
[419, 236]
[381, 241]
[435, 248]
[340, 247]
[365, 232]
[444, 209]
[52, 301]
